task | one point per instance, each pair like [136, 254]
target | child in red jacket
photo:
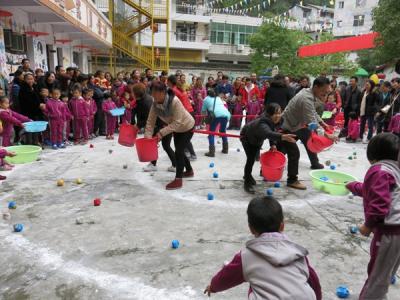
[92, 109]
[269, 253]
[80, 112]
[111, 121]
[353, 128]
[127, 101]
[381, 198]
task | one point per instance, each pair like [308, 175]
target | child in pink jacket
[127, 101]
[394, 125]
[9, 119]
[253, 109]
[274, 266]
[67, 120]
[4, 166]
[88, 96]
[80, 112]
[381, 198]
[111, 121]
[55, 112]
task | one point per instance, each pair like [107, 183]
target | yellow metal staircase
[129, 19]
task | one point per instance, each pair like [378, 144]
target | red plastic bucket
[147, 149]
[127, 135]
[318, 143]
[272, 165]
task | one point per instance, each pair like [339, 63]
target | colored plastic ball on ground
[78, 181]
[238, 150]
[355, 157]
[342, 292]
[125, 166]
[175, 244]
[351, 196]
[350, 157]
[312, 126]
[91, 146]
[210, 196]
[353, 229]
[393, 280]
[269, 192]
[328, 163]
[85, 161]
[6, 216]
[96, 202]
[212, 165]
[215, 175]
[277, 184]
[333, 167]
[110, 151]
[18, 227]
[355, 153]
[12, 205]
[60, 182]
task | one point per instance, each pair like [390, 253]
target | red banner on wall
[365, 41]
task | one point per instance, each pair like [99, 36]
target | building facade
[51, 33]
[353, 17]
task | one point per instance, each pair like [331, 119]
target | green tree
[274, 45]
[386, 17]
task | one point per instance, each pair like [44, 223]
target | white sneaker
[171, 169]
[150, 168]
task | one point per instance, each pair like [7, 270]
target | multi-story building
[312, 19]
[51, 33]
[353, 17]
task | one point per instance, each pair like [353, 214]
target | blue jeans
[222, 128]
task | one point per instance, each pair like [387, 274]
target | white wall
[346, 15]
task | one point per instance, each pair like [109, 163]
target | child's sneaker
[76, 142]
[61, 145]
[150, 168]
[54, 147]
[3, 177]
[84, 142]
[171, 169]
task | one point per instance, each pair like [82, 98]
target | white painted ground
[122, 249]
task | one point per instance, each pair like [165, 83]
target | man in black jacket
[143, 104]
[352, 100]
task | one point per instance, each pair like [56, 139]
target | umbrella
[361, 72]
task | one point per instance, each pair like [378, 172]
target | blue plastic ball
[353, 229]
[18, 227]
[312, 126]
[333, 167]
[238, 150]
[210, 196]
[12, 205]
[342, 292]
[393, 280]
[215, 175]
[277, 184]
[212, 165]
[324, 178]
[269, 192]
[175, 244]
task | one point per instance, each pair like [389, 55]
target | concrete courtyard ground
[70, 249]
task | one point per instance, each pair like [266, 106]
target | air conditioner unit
[240, 48]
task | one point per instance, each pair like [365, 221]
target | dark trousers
[346, 112]
[166, 144]
[190, 145]
[303, 135]
[364, 121]
[32, 138]
[251, 153]
[99, 120]
[181, 141]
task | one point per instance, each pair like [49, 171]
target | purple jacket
[253, 108]
[271, 253]
[381, 195]
[54, 109]
[67, 113]
[108, 105]
[78, 108]
[9, 119]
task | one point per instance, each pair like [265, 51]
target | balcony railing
[192, 10]
[194, 38]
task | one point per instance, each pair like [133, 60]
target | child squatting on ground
[275, 267]
[381, 198]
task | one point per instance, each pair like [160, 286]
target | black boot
[225, 148]
[211, 151]
[250, 180]
[249, 188]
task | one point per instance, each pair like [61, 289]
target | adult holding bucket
[253, 135]
[170, 110]
[298, 114]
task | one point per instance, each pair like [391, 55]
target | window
[360, 3]
[339, 24]
[358, 20]
[14, 42]
[220, 37]
[306, 13]
[242, 39]
[185, 32]
[213, 38]
[341, 4]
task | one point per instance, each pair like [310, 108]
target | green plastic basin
[336, 183]
[25, 154]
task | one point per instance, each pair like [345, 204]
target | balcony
[190, 41]
[190, 13]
